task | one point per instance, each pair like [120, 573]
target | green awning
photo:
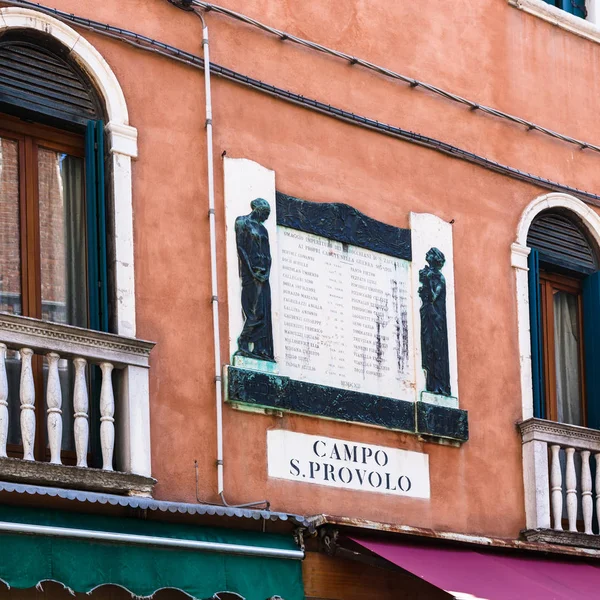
[82, 565]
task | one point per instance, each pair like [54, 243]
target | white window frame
[588, 28]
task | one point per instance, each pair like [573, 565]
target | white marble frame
[429, 231]
[588, 28]
[245, 180]
[122, 141]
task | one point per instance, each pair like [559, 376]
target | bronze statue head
[435, 258]
[260, 209]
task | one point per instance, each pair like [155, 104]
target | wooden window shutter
[560, 242]
[575, 7]
[96, 226]
[537, 348]
[37, 75]
[591, 341]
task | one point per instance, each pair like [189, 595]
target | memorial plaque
[335, 314]
[344, 316]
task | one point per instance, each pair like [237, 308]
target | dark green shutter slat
[91, 190]
[101, 205]
[537, 348]
[591, 342]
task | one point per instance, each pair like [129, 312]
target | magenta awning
[487, 576]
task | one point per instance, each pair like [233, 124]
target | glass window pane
[63, 245]
[10, 236]
[566, 352]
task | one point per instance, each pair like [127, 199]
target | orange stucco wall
[487, 51]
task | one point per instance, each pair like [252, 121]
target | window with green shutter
[564, 304]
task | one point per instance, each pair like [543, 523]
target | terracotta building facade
[323, 324]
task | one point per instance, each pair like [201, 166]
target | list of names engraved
[345, 316]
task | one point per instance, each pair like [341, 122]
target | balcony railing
[125, 419]
[562, 499]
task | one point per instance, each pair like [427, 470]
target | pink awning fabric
[486, 576]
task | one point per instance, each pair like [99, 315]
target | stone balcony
[110, 407]
[562, 483]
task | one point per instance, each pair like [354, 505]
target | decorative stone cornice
[519, 255]
[571, 436]
[122, 139]
[23, 332]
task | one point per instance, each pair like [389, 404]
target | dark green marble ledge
[276, 392]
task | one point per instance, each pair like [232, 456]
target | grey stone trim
[551, 432]
[70, 342]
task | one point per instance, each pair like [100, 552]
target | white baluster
[54, 404]
[81, 427]
[571, 489]
[597, 457]
[556, 488]
[107, 413]
[587, 504]
[3, 402]
[27, 397]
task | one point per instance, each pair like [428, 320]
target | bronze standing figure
[434, 327]
[254, 253]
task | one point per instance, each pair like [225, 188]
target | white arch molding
[122, 140]
[519, 253]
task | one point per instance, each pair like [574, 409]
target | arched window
[564, 303]
[53, 210]
[53, 259]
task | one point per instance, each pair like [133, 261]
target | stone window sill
[77, 478]
[562, 538]
[560, 18]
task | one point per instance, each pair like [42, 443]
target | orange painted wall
[487, 51]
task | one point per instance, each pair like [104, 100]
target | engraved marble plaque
[345, 316]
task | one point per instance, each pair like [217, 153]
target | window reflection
[10, 243]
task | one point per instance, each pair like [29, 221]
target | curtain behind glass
[63, 259]
[566, 351]
[62, 238]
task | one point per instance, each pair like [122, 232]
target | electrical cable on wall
[414, 83]
[148, 44]
[353, 60]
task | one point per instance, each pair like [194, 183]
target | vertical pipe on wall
[213, 269]
[213, 255]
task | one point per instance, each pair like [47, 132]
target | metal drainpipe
[213, 271]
